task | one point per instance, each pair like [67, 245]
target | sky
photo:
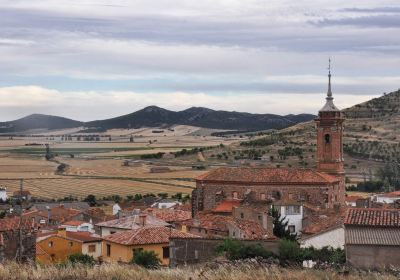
[96, 59]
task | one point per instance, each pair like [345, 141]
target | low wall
[185, 251]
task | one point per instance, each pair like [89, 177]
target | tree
[91, 199]
[147, 259]
[280, 226]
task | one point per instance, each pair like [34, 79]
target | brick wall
[324, 196]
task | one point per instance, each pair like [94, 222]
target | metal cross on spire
[329, 83]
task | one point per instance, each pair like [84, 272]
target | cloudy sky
[94, 59]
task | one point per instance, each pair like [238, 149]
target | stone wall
[184, 251]
[373, 256]
[204, 197]
[10, 245]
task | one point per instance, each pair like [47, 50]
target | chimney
[62, 231]
[142, 219]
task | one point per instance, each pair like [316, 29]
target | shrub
[147, 259]
[236, 250]
[290, 251]
[81, 259]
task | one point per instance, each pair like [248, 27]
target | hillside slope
[203, 117]
[37, 121]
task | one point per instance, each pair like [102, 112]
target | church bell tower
[330, 136]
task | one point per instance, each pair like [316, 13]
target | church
[323, 187]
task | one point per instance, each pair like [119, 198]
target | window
[165, 252]
[259, 217]
[112, 232]
[292, 229]
[235, 195]
[292, 210]
[92, 248]
[71, 244]
[51, 244]
[53, 257]
[327, 138]
[108, 250]
[242, 215]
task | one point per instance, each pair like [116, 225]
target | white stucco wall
[3, 195]
[333, 238]
[107, 231]
[85, 249]
[296, 220]
[386, 199]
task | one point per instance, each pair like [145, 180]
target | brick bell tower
[330, 136]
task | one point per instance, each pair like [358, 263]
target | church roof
[266, 175]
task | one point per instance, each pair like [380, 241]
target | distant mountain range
[154, 116]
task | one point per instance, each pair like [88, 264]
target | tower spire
[329, 94]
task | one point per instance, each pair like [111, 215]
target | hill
[371, 138]
[154, 116]
[37, 121]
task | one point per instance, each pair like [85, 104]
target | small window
[53, 257]
[242, 215]
[259, 217]
[112, 232]
[165, 252]
[292, 229]
[108, 250]
[51, 244]
[235, 195]
[327, 138]
[92, 248]
[71, 244]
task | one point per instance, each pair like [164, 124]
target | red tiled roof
[353, 198]
[323, 220]
[226, 206]
[147, 235]
[73, 223]
[265, 175]
[373, 217]
[83, 236]
[252, 229]
[209, 221]
[169, 215]
[13, 223]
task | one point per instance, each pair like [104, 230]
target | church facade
[323, 187]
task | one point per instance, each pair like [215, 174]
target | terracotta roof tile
[323, 220]
[83, 236]
[373, 217]
[13, 223]
[147, 235]
[252, 229]
[268, 175]
[169, 215]
[227, 206]
[73, 223]
[133, 222]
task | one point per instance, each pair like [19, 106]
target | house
[116, 209]
[121, 246]
[78, 226]
[292, 211]
[372, 237]
[387, 198]
[323, 228]
[3, 194]
[351, 200]
[166, 203]
[323, 187]
[57, 247]
[52, 217]
[24, 195]
[135, 221]
[258, 211]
